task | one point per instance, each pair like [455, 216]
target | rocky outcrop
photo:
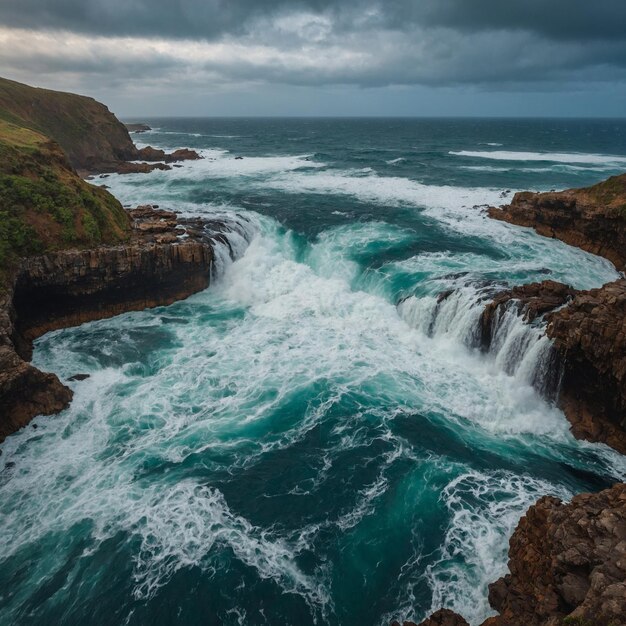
[86, 130]
[531, 301]
[24, 390]
[588, 329]
[590, 336]
[593, 218]
[567, 565]
[443, 617]
[166, 259]
[92, 138]
[137, 128]
[566, 561]
[153, 154]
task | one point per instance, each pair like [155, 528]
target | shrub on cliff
[44, 205]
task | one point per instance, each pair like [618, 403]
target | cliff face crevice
[163, 262]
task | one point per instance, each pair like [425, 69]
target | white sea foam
[276, 323]
[484, 510]
[558, 157]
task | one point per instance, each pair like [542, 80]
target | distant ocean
[315, 439]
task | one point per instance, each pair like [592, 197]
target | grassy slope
[44, 205]
[86, 130]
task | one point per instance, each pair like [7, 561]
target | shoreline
[161, 258]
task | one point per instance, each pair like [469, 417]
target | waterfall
[518, 348]
[229, 237]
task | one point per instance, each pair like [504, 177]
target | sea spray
[289, 442]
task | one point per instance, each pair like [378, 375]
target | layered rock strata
[593, 218]
[588, 329]
[167, 259]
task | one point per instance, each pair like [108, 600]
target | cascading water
[290, 446]
[516, 347]
[229, 237]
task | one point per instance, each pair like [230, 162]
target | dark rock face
[590, 334]
[70, 287]
[24, 390]
[567, 565]
[566, 561]
[588, 329]
[443, 617]
[593, 218]
[137, 128]
[532, 301]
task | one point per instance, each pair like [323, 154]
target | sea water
[315, 439]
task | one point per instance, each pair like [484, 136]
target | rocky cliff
[91, 137]
[44, 205]
[86, 130]
[588, 329]
[567, 566]
[590, 335]
[164, 260]
[593, 218]
[590, 332]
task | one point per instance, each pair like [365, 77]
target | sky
[147, 58]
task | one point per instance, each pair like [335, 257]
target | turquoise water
[314, 439]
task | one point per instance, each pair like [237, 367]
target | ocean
[315, 439]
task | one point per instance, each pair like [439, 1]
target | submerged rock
[78, 377]
[443, 617]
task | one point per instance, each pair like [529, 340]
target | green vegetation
[85, 129]
[44, 205]
[610, 193]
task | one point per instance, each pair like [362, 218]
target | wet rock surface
[590, 335]
[567, 565]
[588, 330]
[443, 617]
[167, 259]
[593, 218]
[566, 561]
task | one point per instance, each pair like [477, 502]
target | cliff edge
[88, 133]
[592, 218]
[91, 137]
[567, 566]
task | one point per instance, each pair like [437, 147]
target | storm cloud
[187, 44]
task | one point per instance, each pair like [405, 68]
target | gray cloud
[555, 19]
[579, 20]
[489, 44]
[164, 18]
